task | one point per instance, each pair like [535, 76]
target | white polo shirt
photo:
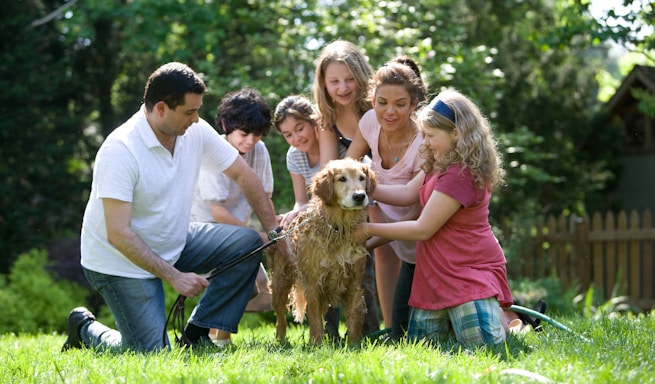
[133, 166]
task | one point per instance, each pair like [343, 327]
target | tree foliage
[71, 78]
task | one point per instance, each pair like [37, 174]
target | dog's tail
[298, 303]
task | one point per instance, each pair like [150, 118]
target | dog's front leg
[315, 318]
[355, 305]
[355, 310]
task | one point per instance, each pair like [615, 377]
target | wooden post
[581, 250]
[611, 258]
[598, 258]
[648, 273]
[634, 274]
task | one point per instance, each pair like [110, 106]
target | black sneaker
[541, 308]
[204, 343]
[76, 319]
[535, 323]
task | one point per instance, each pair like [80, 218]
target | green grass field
[613, 349]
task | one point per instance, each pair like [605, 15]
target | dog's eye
[342, 179]
[362, 177]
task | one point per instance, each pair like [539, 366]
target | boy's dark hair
[245, 110]
[170, 83]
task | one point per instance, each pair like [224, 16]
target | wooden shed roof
[641, 76]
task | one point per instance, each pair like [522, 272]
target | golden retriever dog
[330, 265]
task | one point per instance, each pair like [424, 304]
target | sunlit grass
[611, 349]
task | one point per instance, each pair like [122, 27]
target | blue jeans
[138, 304]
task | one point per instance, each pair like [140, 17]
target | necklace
[402, 145]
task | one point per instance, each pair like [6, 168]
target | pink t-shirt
[400, 173]
[462, 261]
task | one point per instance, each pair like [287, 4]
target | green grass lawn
[617, 349]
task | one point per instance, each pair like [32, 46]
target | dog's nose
[359, 197]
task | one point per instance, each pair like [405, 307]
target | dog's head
[345, 183]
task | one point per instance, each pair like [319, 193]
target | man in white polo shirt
[136, 230]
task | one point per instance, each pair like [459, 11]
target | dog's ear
[323, 185]
[371, 180]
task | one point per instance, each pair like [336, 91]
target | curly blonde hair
[345, 52]
[474, 146]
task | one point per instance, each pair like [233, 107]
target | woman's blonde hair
[340, 51]
[474, 146]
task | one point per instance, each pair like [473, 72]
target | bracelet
[273, 234]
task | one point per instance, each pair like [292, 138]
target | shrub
[32, 300]
[528, 292]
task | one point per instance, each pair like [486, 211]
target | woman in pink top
[460, 281]
[388, 132]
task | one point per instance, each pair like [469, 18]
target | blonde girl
[340, 86]
[340, 92]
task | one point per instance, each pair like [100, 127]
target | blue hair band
[444, 110]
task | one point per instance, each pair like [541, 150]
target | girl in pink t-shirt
[460, 281]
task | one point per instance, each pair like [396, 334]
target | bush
[32, 300]
[527, 292]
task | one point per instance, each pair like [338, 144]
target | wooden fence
[603, 251]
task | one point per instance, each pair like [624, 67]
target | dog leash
[177, 310]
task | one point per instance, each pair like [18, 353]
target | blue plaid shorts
[475, 323]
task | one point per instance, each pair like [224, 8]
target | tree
[44, 153]
[523, 62]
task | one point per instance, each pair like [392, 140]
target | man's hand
[189, 284]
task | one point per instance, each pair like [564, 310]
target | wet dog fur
[330, 266]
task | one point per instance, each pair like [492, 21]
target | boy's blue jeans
[138, 304]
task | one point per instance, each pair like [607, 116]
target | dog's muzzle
[357, 200]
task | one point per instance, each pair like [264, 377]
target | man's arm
[220, 214]
[118, 217]
[253, 190]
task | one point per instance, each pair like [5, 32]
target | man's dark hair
[245, 110]
[170, 83]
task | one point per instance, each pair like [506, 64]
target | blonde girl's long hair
[474, 147]
[340, 51]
